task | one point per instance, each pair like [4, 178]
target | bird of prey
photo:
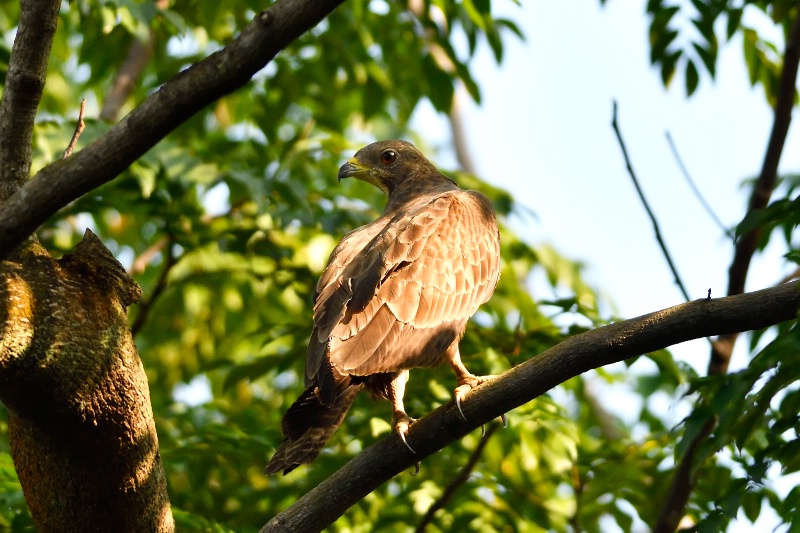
[396, 294]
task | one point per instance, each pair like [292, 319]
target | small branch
[141, 261]
[602, 346]
[22, 91]
[460, 479]
[78, 130]
[694, 188]
[674, 506]
[161, 284]
[652, 216]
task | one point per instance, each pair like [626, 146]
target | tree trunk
[81, 426]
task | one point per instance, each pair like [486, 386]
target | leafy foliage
[686, 37]
[228, 222]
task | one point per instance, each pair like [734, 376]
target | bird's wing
[409, 289]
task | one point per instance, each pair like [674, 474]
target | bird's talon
[416, 469]
[504, 419]
[403, 438]
[458, 404]
[483, 431]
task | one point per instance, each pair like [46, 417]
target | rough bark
[22, 91]
[81, 427]
[610, 344]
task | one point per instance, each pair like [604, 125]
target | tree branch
[652, 216]
[184, 95]
[610, 344]
[27, 70]
[161, 284]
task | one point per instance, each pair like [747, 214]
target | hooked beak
[352, 168]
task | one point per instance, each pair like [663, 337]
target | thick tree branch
[661, 243]
[204, 82]
[610, 344]
[27, 70]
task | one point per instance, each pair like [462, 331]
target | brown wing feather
[405, 296]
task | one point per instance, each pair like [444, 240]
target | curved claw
[504, 418]
[483, 431]
[416, 469]
[403, 438]
[458, 404]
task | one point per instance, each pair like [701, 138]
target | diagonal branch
[460, 479]
[176, 101]
[610, 344]
[650, 213]
[146, 305]
[27, 70]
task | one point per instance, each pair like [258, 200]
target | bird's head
[387, 164]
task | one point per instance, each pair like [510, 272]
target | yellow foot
[401, 422]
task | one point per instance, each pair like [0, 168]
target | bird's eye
[388, 157]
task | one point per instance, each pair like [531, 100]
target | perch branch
[650, 213]
[610, 344]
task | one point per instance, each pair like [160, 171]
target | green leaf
[692, 78]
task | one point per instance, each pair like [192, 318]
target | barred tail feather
[309, 424]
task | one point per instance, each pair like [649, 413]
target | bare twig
[460, 479]
[602, 346]
[78, 130]
[694, 188]
[141, 261]
[146, 305]
[652, 216]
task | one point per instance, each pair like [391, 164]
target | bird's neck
[417, 188]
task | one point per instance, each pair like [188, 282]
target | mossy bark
[81, 425]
